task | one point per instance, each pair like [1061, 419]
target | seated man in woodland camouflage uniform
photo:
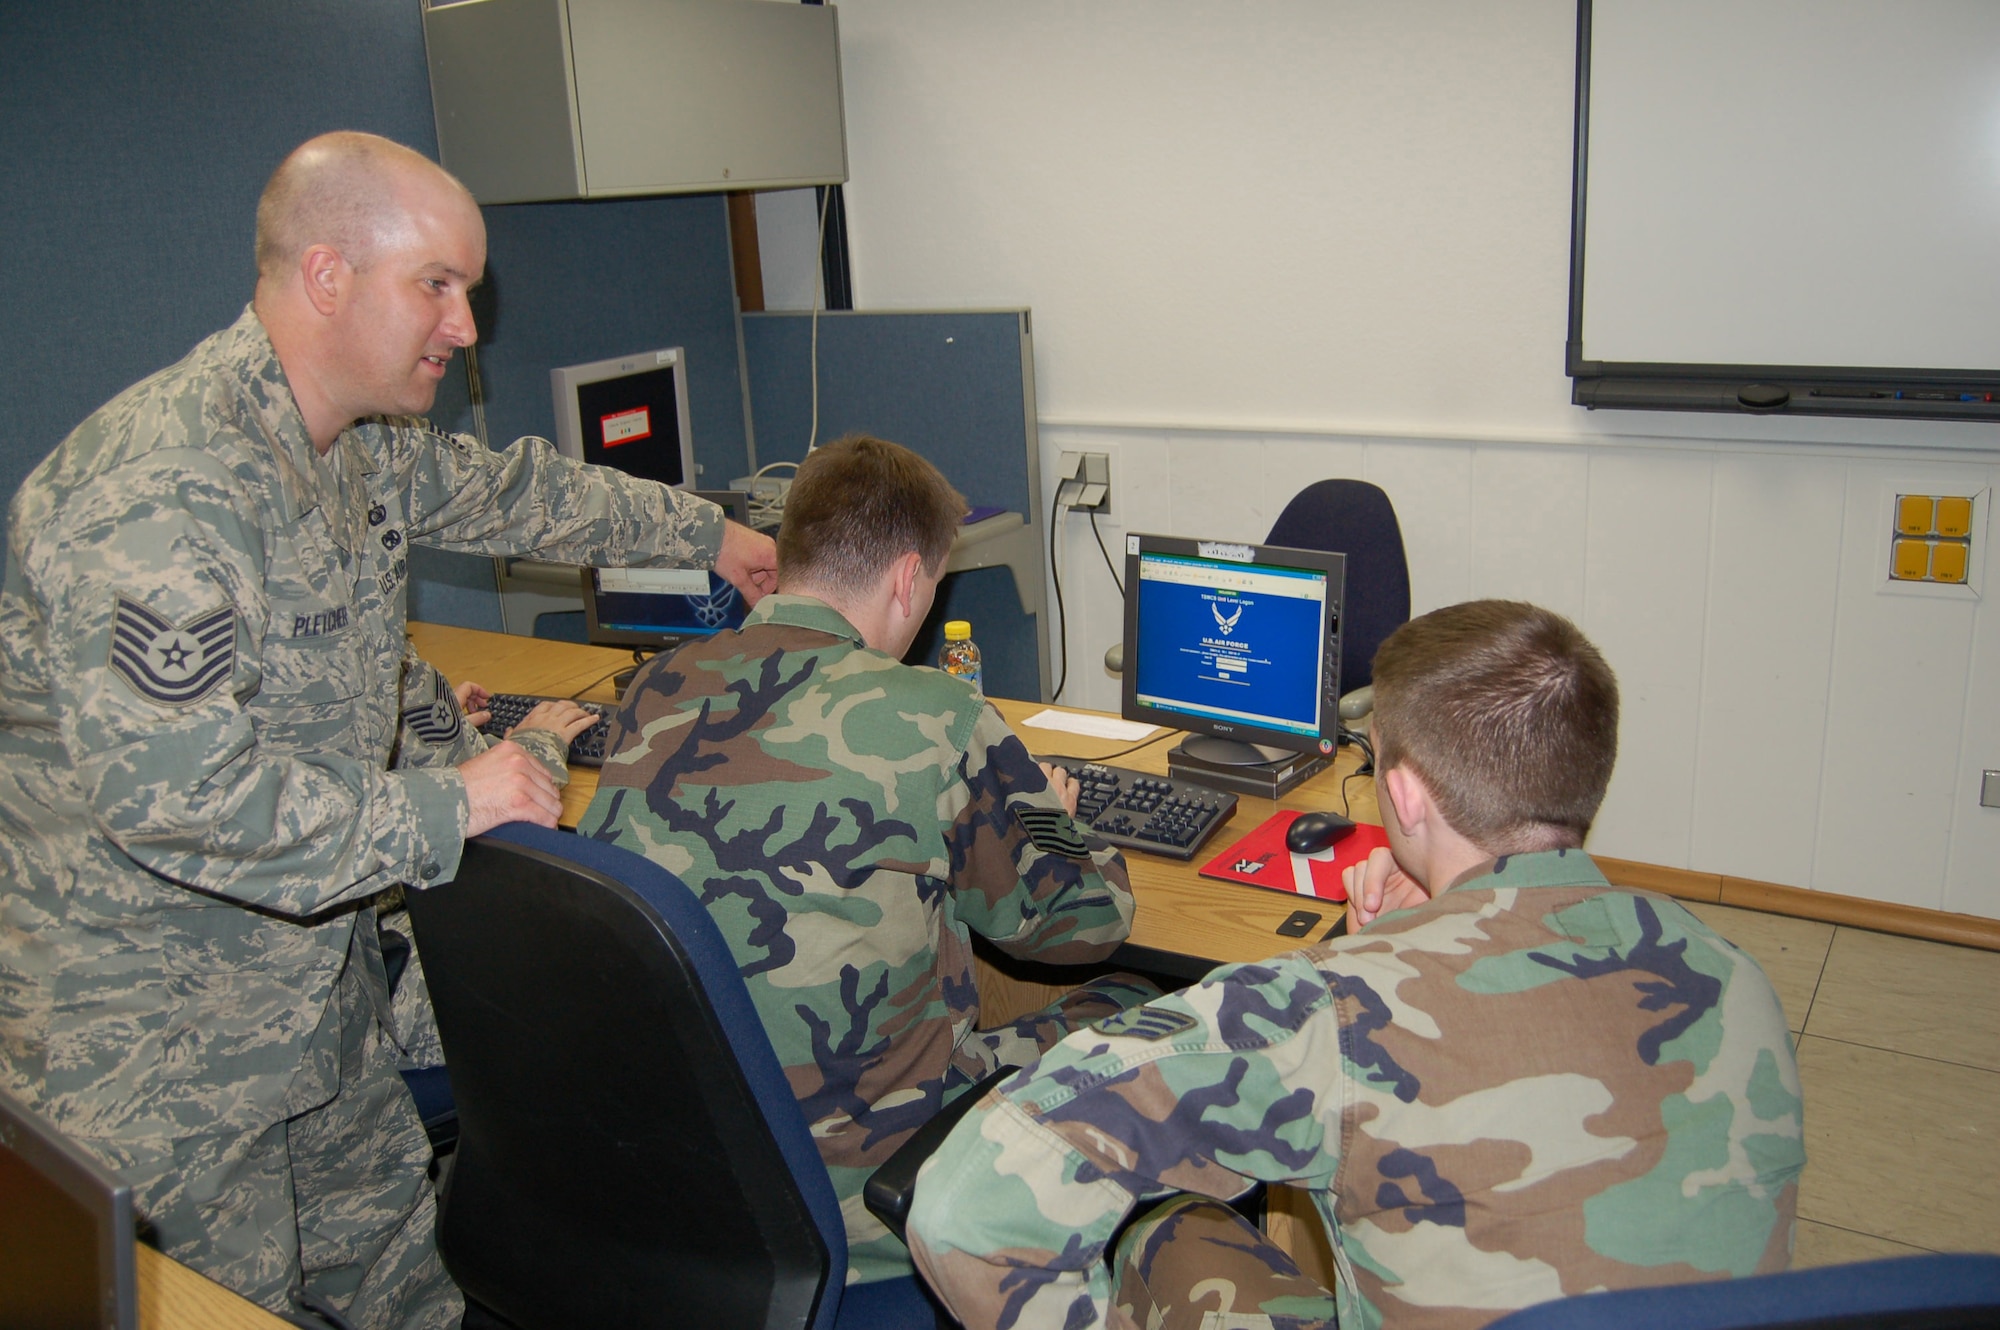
[850, 821]
[1513, 1083]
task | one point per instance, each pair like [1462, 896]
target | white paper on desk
[1097, 727]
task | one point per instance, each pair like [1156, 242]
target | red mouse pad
[1260, 859]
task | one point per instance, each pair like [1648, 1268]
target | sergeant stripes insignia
[436, 721]
[1145, 1023]
[1052, 830]
[175, 665]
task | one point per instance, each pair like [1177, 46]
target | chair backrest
[1933, 1292]
[1354, 518]
[629, 1152]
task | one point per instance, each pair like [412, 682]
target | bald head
[366, 255]
[351, 191]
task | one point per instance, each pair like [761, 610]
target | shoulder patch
[1145, 1023]
[1052, 830]
[435, 719]
[175, 665]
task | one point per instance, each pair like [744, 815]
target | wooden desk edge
[173, 1297]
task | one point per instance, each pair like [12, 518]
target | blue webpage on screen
[1231, 641]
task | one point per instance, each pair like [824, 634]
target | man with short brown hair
[1516, 1082]
[851, 822]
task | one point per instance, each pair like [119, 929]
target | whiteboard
[1294, 214]
[1793, 183]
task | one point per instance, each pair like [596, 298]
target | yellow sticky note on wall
[1914, 514]
[1911, 561]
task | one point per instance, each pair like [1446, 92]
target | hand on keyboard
[584, 724]
[559, 716]
[1140, 811]
[1063, 783]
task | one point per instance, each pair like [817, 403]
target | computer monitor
[661, 608]
[629, 412]
[1237, 644]
[68, 1252]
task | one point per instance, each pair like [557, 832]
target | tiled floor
[1899, 1055]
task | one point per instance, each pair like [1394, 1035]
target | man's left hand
[1376, 886]
[1063, 784]
[472, 700]
[748, 561]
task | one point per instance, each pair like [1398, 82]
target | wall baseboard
[1965, 930]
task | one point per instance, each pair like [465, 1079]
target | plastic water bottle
[959, 655]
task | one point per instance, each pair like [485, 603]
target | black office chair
[1354, 518]
[629, 1151]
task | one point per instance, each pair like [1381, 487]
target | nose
[458, 326]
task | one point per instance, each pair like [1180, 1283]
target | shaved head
[366, 255]
[347, 190]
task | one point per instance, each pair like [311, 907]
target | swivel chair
[629, 1151]
[1354, 518]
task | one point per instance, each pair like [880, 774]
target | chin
[418, 402]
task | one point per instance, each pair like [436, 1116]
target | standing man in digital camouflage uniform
[201, 642]
[1522, 1083]
[850, 822]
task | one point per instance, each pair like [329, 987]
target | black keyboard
[586, 750]
[1140, 811]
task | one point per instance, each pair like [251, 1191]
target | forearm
[1025, 874]
[278, 832]
[1203, 1091]
[527, 499]
[1006, 1230]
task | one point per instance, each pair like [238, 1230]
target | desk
[173, 1297]
[1184, 924]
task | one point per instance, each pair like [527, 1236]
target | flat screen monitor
[629, 412]
[1237, 644]
[661, 608]
[68, 1254]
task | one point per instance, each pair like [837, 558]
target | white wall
[1267, 243]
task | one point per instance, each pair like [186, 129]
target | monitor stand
[1231, 764]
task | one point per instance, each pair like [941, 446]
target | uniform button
[430, 871]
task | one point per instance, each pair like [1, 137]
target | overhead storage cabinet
[569, 99]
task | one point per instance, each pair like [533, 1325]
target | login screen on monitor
[1231, 641]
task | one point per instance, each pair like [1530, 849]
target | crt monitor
[629, 412]
[661, 608]
[68, 1249]
[1237, 644]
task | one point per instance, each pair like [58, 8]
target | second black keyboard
[510, 709]
[1140, 811]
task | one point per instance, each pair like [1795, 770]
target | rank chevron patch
[1051, 830]
[175, 665]
[435, 720]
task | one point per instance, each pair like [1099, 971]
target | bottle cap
[958, 630]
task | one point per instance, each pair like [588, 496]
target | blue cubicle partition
[957, 387]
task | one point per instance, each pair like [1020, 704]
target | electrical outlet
[1085, 482]
[763, 489]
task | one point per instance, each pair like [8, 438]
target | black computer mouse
[1312, 832]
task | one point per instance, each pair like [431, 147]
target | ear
[903, 581]
[1409, 801]
[325, 275]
